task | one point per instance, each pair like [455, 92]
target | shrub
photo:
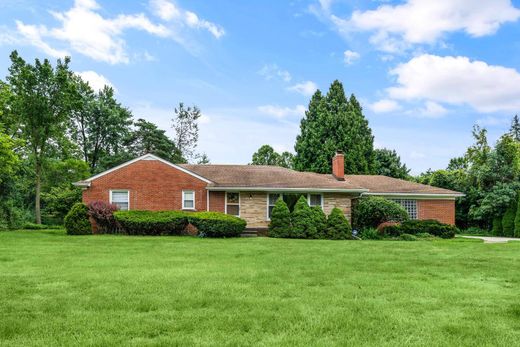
[408, 237]
[280, 225]
[34, 226]
[372, 211]
[497, 226]
[370, 234]
[476, 231]
[338, 227]
[151, 222]
[76, 221]
[429, 226]
[320, 221]
[517, 219]
[508, 220]
[424, 236]
[103, 214]
[216, 224]
[303, 221]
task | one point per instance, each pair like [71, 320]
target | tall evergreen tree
[334, 123]
[514, 131]
[186, 130]
[388, 163]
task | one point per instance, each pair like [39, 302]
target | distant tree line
[55, 129]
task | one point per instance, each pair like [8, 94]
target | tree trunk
[38, 172]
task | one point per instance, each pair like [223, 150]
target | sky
[424, 71]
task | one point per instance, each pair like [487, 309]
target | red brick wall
[217, 201]
[152, 184]
[441, 210]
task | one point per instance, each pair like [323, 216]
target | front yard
[105, 290]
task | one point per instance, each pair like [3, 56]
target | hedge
[414, 227]
[508, 220]
[77, 220]
[210, 224]
[372, 211]
[497, 226]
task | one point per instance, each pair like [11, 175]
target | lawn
[117, 290]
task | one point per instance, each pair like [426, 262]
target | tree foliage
[303, 221]
[186, 130]
[280, 225]
[333, 122]
[266, 155]
[388, 163]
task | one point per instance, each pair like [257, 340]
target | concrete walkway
[492, 239]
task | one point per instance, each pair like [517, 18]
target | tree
[334, 123]
[280, 225]
[8, 157]
[388, 163]
[203, 159]
[100, 125]
[497, 226]
[266, 155]
[514, 131]
[186, 130]
[147, 138]
[42, 100]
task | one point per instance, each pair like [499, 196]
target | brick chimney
[338, 166]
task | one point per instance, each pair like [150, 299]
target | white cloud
[384, 105]
[282, 112]
[168, 11]
[271, 71]
[432, 110]
[417, 155]
[306, 88]
[350, 56]
[493, 121]
[457, 81]
[95, 80]
[424, 21]
[86, 31]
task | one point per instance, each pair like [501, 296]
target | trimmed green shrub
[408, 237]
[34, 226]
[280, 225]
[508, 220]
[76, 221]
[391, 230]
[517, 219]
[370, 234]
[372, 211]
[320, 221]
[497, 226]
[429, 226]
[424, 236]
[476, 231]
[338, 227]
[303, 221]
[216, 224]
[151, 222]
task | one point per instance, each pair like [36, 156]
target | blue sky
[425, 71]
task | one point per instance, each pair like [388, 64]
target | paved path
[492, 239]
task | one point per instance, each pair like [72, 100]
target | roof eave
[417, 195]
[81, 184]
[286, 189]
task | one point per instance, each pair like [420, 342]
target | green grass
[116, 290]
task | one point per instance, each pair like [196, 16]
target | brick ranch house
[250, 191]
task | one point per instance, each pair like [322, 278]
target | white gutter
[303, 190]
[81, 184]
[416, 195]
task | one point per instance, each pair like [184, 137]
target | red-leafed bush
[103, 214]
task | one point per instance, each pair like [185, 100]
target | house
[250, 191]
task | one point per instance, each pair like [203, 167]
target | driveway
[492, 239]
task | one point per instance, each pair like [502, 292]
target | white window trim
[282, 193]
[239, 203]
[183, 194]
[119, 191]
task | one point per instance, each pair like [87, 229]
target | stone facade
[339, 200]
[253, 209]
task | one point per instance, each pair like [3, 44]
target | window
[315, 200]
[409, 205]
[271, 201]
[291, 199]
[120, 198]
[188, 200]
[233, 204]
